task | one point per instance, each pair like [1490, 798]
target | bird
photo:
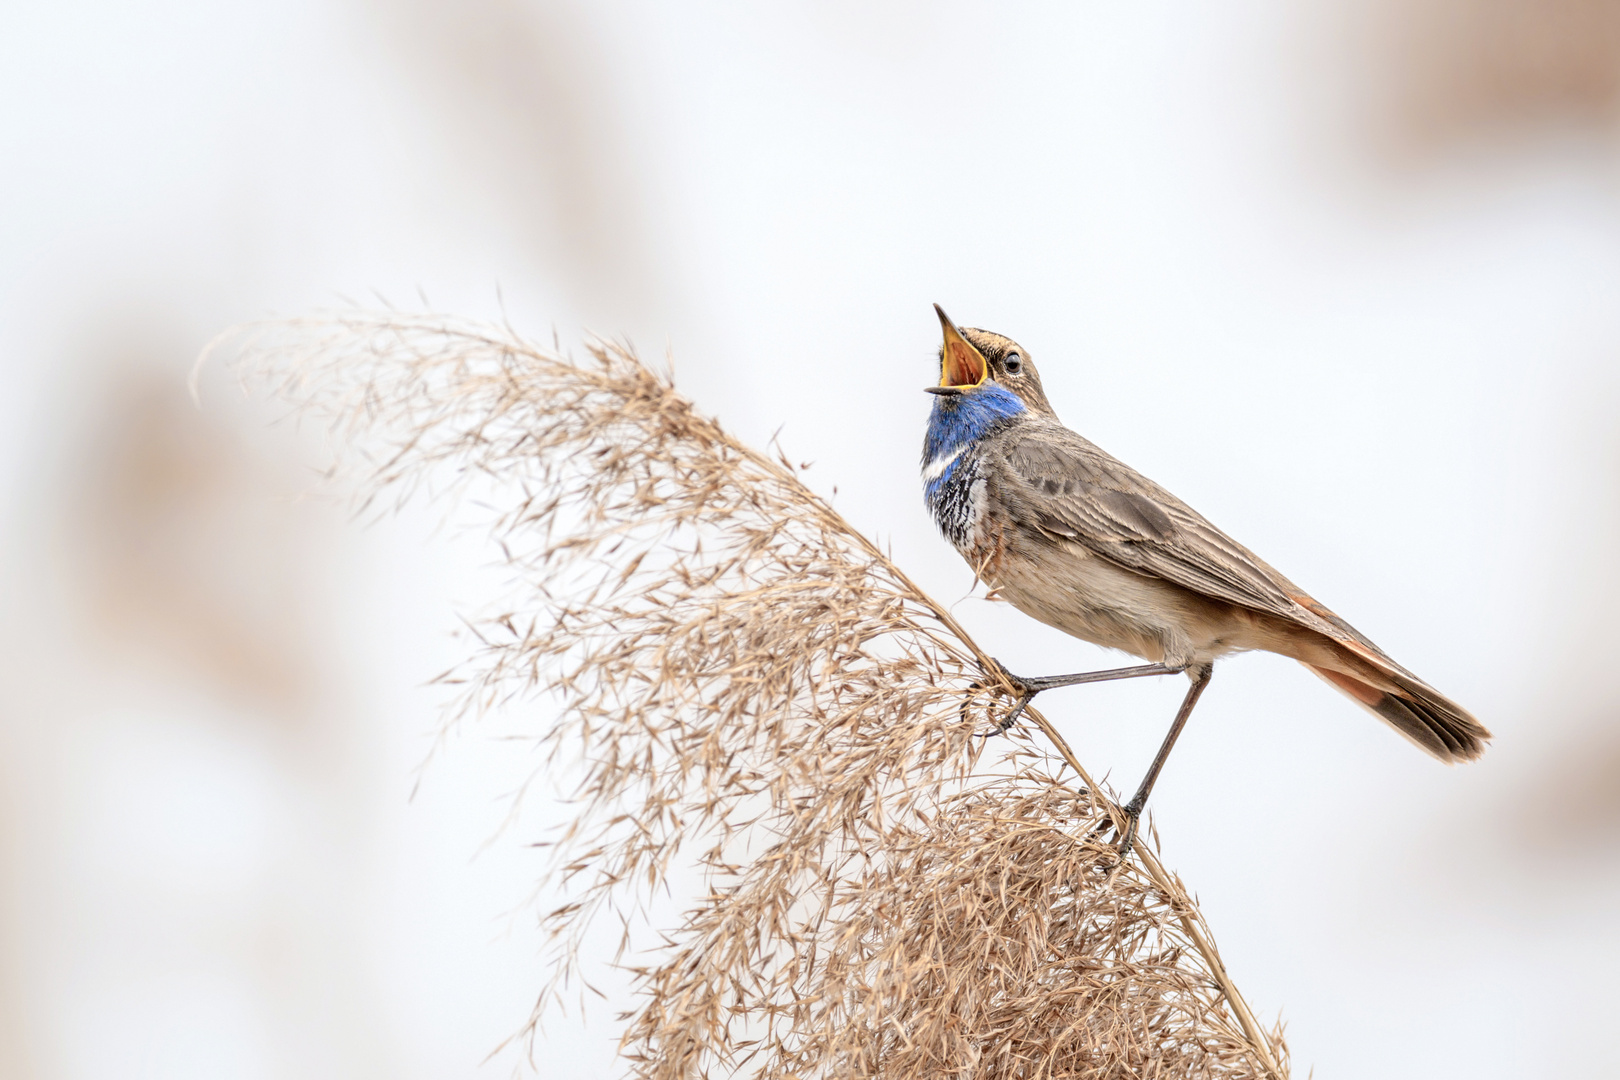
[1080, 541]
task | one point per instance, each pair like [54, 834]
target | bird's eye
[1013, 363]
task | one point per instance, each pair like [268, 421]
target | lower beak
[962, 367]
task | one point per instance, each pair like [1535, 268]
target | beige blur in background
[1347, 279]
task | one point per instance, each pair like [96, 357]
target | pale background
[1348, 282]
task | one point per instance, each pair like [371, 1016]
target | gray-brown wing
[1069, 489]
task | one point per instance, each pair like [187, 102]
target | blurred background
[1346, 277]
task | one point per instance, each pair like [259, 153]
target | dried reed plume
[749, 687]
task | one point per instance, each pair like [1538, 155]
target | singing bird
[1086, 544]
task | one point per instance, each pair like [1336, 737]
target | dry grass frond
[750, 687]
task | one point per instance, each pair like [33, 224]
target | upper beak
[962, 367]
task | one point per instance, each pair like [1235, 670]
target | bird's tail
[1410, 706]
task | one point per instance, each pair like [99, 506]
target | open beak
[962, 367]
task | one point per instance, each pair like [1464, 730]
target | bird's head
[977, 362]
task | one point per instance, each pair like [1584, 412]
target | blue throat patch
[966, 418]
[951, 457]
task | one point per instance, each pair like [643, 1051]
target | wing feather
[1071, 490]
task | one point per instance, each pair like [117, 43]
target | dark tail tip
[1434, 723]
[1416, 710]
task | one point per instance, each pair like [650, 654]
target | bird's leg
[1133, 809]
[1028, 688]
[1052, 682]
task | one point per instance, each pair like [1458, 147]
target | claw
[1011, 718]
[995, 674]
[1133, 815]
[1130, 835]
[1127, 836]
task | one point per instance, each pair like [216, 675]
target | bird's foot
[1011, 718]
[1127, 836]
[1133, 815]
[1026, 689]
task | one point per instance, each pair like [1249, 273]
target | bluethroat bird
[1084, 543]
